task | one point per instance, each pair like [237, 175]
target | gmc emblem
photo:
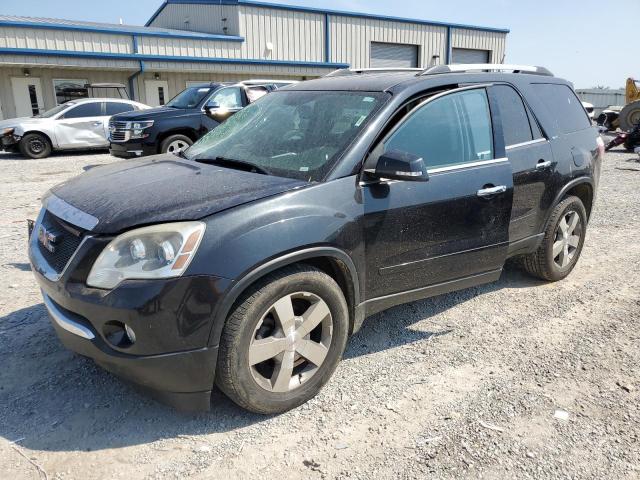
[47, 239]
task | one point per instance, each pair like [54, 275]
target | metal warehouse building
[44, 62]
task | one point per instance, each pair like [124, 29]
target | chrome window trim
[462, 166]
[447, 169]
[524, 144]
[69, 213]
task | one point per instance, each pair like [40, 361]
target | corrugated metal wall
[201, 18]
[480, 40]
[183, 47]
[46, 76]
[351, 39]
[293, 35]
[73, 41]
[602, 99]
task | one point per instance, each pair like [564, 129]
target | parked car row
[130, 128]
[185, 118]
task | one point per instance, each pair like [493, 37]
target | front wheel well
[187, 132]
[330, 265]
[39, 133]
[584, 192]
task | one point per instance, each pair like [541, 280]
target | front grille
[118, 131]
[66, 242]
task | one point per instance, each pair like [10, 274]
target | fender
[239, 286]
[563, 192]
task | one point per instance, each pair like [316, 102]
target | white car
[78, 124]
[589, 108]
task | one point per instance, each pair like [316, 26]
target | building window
[67, 90]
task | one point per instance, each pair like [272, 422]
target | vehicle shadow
[58, 153]
[54, 400]
[23, 267]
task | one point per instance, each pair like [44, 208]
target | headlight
[7, 131]
[137, 128]
[159, 251]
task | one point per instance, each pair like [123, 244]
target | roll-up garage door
[468, 55]
[393, 55]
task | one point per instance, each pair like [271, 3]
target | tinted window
[564, 107]
[227, 98]
[515, 121]
[85, 110]
[117, 107]
[189, 98]
[451, 130]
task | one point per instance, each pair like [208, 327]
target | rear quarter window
[563, 105]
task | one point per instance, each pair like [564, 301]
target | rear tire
[35, 145]
[276, 313]
[562, 243]
[630, 116]
[173, 143]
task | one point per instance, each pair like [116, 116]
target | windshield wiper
[181, 154]
[231, 162]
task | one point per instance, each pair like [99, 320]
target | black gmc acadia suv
[249, 261]
[184, 119]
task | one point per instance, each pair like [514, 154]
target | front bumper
[171, 318]
[9, 142]
[182, 379]
[132, 148]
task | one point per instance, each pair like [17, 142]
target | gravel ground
[517, 379]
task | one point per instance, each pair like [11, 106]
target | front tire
[562, 243]
[35, 145]
[175, 143]
[283, 340]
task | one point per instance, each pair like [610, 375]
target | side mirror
[399, 165]
[211, 109]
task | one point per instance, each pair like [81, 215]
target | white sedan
[78, 124]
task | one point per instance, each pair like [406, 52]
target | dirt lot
[518, 379]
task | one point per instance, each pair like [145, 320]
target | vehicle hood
[162, 188]
[152, 113]
[20, 121]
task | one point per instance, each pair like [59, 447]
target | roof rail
[359, 71]
[486, 67]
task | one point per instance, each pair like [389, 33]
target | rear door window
[515, 121]
[114, 108]
[564, 106]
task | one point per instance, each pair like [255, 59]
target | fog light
[119, 334]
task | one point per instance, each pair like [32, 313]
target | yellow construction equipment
[630, 114]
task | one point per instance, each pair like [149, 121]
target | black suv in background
[184, 119]
[249, 261]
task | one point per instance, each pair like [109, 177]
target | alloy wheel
[36, 146]
[567, 239]
[290, 342]
[177, 145]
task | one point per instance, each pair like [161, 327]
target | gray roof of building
[63, 24]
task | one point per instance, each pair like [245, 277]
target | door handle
[96, 124]
[487, 192]
[543, 164]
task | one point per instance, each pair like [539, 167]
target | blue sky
[586, 41]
